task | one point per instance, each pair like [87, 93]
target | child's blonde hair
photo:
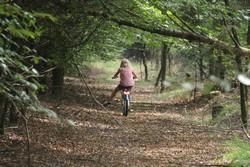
[125, 63]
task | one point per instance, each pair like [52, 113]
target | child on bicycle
[127, 77]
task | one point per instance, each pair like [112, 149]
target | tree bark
[201, 70]
[247, 59]
[13, 117]
[144, 61]
[157, 60]
[163, 66]
[158, 78]
[169, 58]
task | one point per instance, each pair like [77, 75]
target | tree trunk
[13, 117]
[195, 84]
[157, 60]
[2, 113]
[163, 66]
[169, 63]
[57, 80]
[242, 95]
[144, 61]
[201, 70]
[247, 59]
[243, 105]
[141, 73]
[158, 78]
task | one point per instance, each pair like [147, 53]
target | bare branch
[90, 92]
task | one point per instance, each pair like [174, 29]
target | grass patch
[178, 92]
[239, 154]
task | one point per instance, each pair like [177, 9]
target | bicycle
[125, 95]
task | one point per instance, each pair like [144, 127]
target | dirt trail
[84, 135]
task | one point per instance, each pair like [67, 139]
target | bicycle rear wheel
[125, 106]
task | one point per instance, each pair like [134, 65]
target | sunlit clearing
[188, 86]
[243, 79]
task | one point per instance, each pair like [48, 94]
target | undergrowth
[239, 153]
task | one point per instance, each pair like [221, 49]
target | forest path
[154, 134]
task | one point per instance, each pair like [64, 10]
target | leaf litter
[153, 134]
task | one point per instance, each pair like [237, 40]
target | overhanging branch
[218, 44]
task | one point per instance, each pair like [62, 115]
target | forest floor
[155, 133]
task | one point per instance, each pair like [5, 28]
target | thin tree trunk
[158, 78]
[157, 61]
[3, 111]
[141, 73]
[57, 80]
[145, 65]
[247, 59]
[201, 68]
[13, 115]
[163, 66]
[196, 80]
[169, 63]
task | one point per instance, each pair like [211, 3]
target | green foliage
[17, 58]
[208, 87]
[239, 154]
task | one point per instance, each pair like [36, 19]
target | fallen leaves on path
[155, 136]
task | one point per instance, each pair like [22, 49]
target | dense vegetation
[42, 41]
